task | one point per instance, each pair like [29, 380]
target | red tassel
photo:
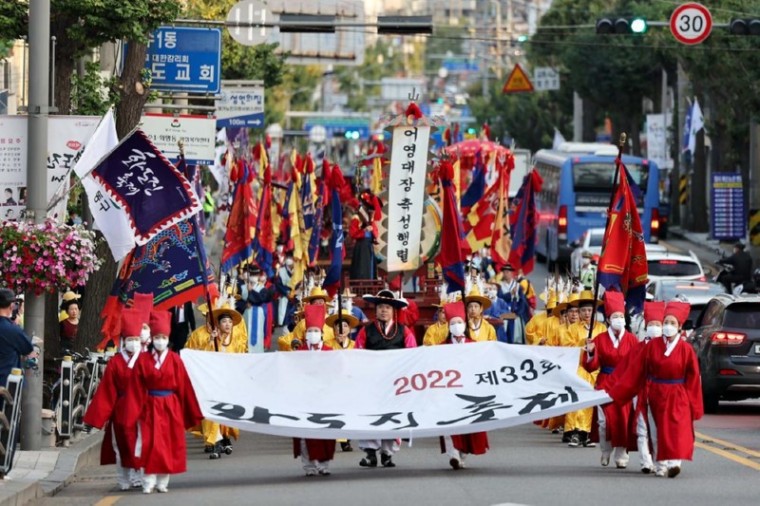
[414, 111]
[487, 132]
[445, 170]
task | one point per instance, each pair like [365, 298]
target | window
[673, 268]
[597, 176]
[742, 316]
[709, 317]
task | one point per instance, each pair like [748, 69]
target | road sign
[691, 23]
[198, 134]
[728, 218]
[185, 59]
[517, 81]
[247, 12]
[545, 78]
[240, 106]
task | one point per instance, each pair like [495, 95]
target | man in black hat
[741, 261]
[14, 343]
[385, 333]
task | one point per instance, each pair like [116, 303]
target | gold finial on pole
[181, 144]
[623, 139]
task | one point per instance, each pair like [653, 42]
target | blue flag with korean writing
[154, 193]
[334, 181]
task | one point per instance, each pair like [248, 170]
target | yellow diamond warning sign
[517, 81]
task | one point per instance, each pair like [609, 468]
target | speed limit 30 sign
[691, 23]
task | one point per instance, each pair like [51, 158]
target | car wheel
[710, 399]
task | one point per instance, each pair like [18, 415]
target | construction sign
[518, 81]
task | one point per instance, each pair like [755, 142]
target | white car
[591, 241]
[665, 264]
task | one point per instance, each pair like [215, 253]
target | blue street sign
[185, 59]
[460, 66]
[728, 217]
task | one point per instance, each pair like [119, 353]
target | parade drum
[432, 220]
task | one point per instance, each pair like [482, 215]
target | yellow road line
[728, 445]
[108, 500]
[729, 456]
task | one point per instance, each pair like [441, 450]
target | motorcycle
[750, 286]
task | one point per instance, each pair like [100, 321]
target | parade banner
[406, 196]
[154, 194]
[418, 392]
[66, 136]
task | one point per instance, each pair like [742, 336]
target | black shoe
[567, 436]
[575, 441]
[370, 460]
[674, 471]
[216, 452]
[586, 440]
[226, 442]
[208, 449]
[455, 464]
[346, 446]
[386, 460]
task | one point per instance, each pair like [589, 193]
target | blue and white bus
[576, 193]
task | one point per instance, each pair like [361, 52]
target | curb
[70, 461]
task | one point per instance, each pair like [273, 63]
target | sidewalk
[42, 473]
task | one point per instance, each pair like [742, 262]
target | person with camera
[741, 272]
[14, 343]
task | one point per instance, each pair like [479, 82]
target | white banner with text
[360, 394]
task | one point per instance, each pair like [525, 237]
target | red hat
[143, 302]
[160, 323]
[614, 302]
[678, 309]
[654, 311]
[132, 321]
[314, 316]
[454, 309]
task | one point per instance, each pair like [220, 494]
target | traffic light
[621, 26]
[747, 26]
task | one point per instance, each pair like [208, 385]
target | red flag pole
[618, 161]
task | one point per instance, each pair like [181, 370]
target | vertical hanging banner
[406, 189]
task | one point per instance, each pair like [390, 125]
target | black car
[727, 342]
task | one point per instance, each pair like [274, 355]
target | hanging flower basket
[47, 257]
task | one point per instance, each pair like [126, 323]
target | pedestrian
[363, 230]
[668, 374]
[116, 411]
[258, 310]
[604, 354]
[317, 296]
[578, 423]
[315, 454]
[14, 343]
[458, 447]
[587, 273]
[69, 325]
[478, 328]
[169, 409]
[385, 333]
[183, 323]
[228, 335]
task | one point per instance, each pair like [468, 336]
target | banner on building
[360, 394]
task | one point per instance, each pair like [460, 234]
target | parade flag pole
[618, 161]
[201, 255]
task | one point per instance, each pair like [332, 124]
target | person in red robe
[315, 454]
[170, 408]
[458, 447]
[669, 370]
[605, 353]
[118, 412]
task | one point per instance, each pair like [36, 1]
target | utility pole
[39, 104]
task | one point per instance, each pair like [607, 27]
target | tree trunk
[128, 112]
[64, 71]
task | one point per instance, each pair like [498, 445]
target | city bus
[576, 194]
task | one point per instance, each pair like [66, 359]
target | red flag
[241, 224]
[522, 254]
[623, 262]
[453, 243]
[501, 242]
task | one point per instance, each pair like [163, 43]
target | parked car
[666, 264]
[591, 241]
[727, 342]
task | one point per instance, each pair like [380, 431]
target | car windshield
[742, 316]
[670, 290]
[595, 239]
[672, 268]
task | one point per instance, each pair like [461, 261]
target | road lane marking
[728, 445]
[109, 500]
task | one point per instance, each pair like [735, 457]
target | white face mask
[654, 331]
[145, 336]
[617, 323]
[456, 329]
[669, 330]
[160, 344]
[132, 346]
[313, 337]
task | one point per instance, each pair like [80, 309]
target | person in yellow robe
[534, 329]
[342, 327]
[319, 297]
[578, 423]
[478, 329]
[229, 336]
[437, 332]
